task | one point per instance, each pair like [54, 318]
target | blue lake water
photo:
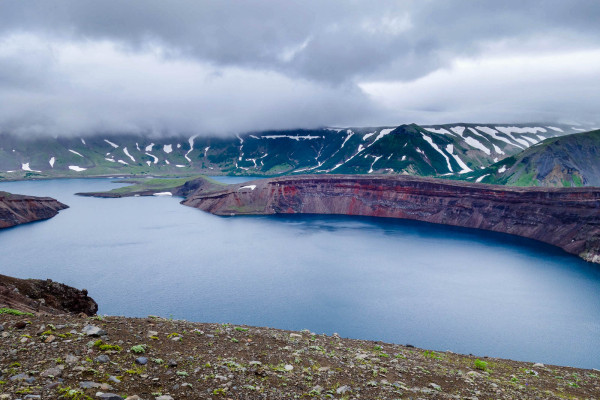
[398, 281]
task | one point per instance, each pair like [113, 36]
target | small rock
[317, 389]
[33, 396]
[19, 377]
[141, 360]
[108, 396]
[172, 363]
[102, 358]
[152, 333]
[105, 386]
[20, 325]
[88, 385]
[288, 367]
[114, 379]
[164, 397]
[53, 372]
[435, 386]
[50, 339]
[296, 335]
[71, 359]
[52, 385]
[1, 328]
[343, 389]
[91, 330]
[134, 397]
[538, 365]
[255, 363]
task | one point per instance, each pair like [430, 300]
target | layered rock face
[568, 218]
[39, 296]
[17, 209]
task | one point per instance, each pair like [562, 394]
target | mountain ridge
[427, 150]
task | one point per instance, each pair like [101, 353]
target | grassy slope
[572, 160]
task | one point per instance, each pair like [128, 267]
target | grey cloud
[229, 66]
[257, 33]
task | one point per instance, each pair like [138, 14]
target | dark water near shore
[404, 282]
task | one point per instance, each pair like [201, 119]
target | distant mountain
[440, 150]
[572, 160]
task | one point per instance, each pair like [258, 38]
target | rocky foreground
[18, 209]
[75, 357]
[59, 352]
[567, 217]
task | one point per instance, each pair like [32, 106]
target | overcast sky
[223, 67]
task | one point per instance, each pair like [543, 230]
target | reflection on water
[400, 281]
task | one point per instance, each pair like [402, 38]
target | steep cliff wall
[17, 209]
[568, 218]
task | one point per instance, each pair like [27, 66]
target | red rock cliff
[17, 209]
[568, 218]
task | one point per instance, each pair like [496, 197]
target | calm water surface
[403, 282]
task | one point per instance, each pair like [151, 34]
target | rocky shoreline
[19, 209]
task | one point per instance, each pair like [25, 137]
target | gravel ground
[78, 357]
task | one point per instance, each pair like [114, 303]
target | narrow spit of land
[81, 357]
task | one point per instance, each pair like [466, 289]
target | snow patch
[191, 142]
[368, 135]
[251, 187]
[109, 159]
[477, 144]
[555, 128]
[383, 133]
[438, 131]
[163, 194]
[25, 167]
[122, 162]
[493, 134]
[168, 148]
[149, 147]
[350, 133]
[74, 152]
[436, 148]
[127, 154]
[502, 169]
[83, 141]
[111, 143]
[376, 159]
[458, 130]
[481, 178]
[180, 166]
[52, 160]
[76, 168]
[463, 166]
[516, 129]
[297, 138]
